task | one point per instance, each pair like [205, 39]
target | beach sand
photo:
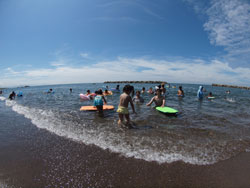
[32, 157]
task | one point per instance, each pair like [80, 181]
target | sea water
[204, 132]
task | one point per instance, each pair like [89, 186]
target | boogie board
[93, 108]
[167, 110]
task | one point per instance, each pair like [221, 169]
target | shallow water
[204, 132]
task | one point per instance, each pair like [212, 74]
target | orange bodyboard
[93, 108]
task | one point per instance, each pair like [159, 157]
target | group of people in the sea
[129, 96]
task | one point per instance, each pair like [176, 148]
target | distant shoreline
[145, 82]
[231, 86]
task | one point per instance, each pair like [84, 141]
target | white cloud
[58, 63]
[84, 55]
[182, 71]
[228, 26]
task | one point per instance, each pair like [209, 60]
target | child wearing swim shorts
[98, 101]
[122, 110]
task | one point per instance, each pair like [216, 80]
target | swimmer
[210, 94]
[70, 90]
[117, 87]
[150, 91]
[88, 93]
[132, 90]
[50, 91]
[106, 92]
[162, 88]
[12, 95]
[137, 98]
[180, 92]
[122, 110]
[159, 100]
[143, 90]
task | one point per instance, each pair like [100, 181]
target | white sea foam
[2, 98]
[4, 185]
[51, 121]
[230, 100]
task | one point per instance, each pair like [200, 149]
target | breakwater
[231, 86]
[143, 82]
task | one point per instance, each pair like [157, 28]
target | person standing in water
[200, 93]
[122, 110]
[180, 92]
[159, 100]
[162, 88]
[137, 98]
[117, 87]
[98, 101]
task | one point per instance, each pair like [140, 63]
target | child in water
[106, 92]
[12, 95]
[150, 91]
[180, 92]
[98, 101]
[163, 89]
[137, 98]
[210, 95]
[143, 90]
[125, 99]
[159, 100]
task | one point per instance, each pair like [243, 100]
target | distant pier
[136, 82]
[231, 86]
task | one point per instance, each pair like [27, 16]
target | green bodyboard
[167, 110]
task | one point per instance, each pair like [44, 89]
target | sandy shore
[32, 157]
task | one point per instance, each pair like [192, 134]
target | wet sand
[32, 157]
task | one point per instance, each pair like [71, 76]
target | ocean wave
[188, 151]
[2, 98]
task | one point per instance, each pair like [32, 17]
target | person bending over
[159, 100]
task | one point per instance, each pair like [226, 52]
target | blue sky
[186, 41]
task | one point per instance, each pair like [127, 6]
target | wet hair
[138, 92]
[126, 88]
[143, 88]
[88, 91]
[106, 91]
[157, 90]
[180, 87]
[99, 92]
[131, 88]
